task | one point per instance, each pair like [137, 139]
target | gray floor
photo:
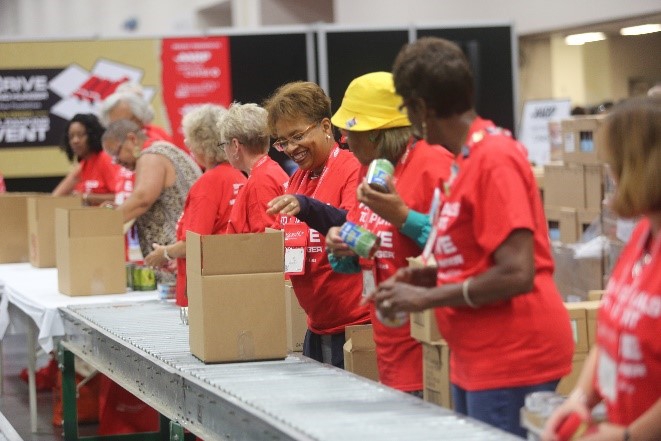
[14, 403]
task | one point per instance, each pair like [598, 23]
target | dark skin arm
[412, 290]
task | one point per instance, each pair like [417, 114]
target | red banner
[195, 71]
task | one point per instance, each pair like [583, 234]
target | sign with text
[195, 71]
[534, 131]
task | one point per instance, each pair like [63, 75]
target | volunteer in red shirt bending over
[245, 136]
[299, 118]
[624, 368]
[497, 305]
[210, 199]
[95, 175]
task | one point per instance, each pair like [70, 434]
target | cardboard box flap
[43, 206]
[217, 254]
[93, 222]
[361, 337]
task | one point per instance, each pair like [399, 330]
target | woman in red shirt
[246, 141]
[299, 118]
[210, 199]
[374, 127]
[624, 368]
[496, 303]
[95, 175]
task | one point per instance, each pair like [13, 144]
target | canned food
[378, 173]
[144, 278]
[401, 318]
[166, 291]
[362, 241]
[129, 275]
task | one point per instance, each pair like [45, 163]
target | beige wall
[588, 74]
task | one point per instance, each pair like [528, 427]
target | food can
[401, 318]
[362, 241]
[166, 290]
[377, 174]
[129, 275]
[144, 278]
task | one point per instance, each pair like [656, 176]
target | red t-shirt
[421, 169]
[527, 339]
[98, 174]
[628, 374]
[267, 180]
[2, 184]
[207, 211]
[331, 300]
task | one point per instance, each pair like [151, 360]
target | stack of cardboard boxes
[70, 241]
[573, 195]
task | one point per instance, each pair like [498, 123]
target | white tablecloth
[34, 291]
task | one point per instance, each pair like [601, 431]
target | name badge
[368, 282]
[296, 238]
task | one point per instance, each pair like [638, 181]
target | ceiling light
[588, 37]
[640, 30]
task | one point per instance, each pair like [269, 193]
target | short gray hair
[202, 133]
[249, 124]
[140, 108]
[119, 130]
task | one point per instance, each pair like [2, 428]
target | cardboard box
[579, 325]
[424, 327]
[586, 217]
[236, 302]
[594, 185]
[578, 139]
[360, 351]
[595, 295]
[436, 374]
[592, 311]
[80, 233]
[297, 320]
[14, 231]
[564, 185]
[562, 224]
[568, 382]
[41, 226]
[575, 277]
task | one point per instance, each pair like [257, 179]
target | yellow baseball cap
[370, 103]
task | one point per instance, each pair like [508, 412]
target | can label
[378, 173]
[144, 278]
[166, 290]
[362, 241]
[129, 275]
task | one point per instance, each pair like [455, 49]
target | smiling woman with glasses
[299, 119]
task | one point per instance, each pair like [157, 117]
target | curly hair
[247, 123]
[94, 131]
[297, 100]
[436, 71]
[630, 142]
[202, 135]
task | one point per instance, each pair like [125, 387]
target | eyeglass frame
[278, 143]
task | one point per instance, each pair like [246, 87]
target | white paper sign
[534, 127]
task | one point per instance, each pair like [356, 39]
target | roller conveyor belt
[144, 347]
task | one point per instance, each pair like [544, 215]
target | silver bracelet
[166, 255]
[464, 292]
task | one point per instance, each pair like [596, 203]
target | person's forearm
[416, 227]
[177, 250]
[97, 198]
[648, 426]
[584, 389]
[135, 206]
[66, 186]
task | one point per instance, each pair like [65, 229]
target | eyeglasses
[281, 144]
[222, 144]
